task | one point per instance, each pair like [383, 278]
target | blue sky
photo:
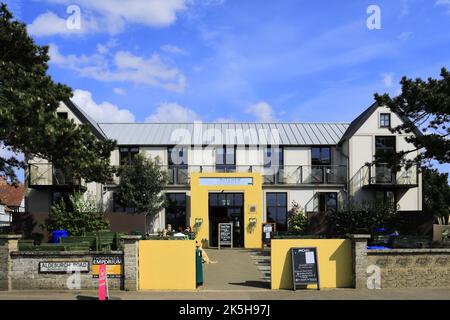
[246, 60]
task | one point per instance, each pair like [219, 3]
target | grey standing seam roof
[247, 133]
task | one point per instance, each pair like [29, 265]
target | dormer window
[385, 120]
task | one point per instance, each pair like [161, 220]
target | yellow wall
[334, 256]
[167, 265]
[252, 197]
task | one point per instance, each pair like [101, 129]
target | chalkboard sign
[225, 234]
[268, 229]
[305, 267]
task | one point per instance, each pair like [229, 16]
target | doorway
[226, 208]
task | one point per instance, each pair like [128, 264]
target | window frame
[321, 162]
[176, 207]
[129, 151]
[224, 164]
[381, 122]
[280, 152]
[276, 206]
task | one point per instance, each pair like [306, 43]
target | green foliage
[297, 220]
[28, 102]
[77, 217]
[364, 217]
[141, 185]
[427, 105]
[436, 193]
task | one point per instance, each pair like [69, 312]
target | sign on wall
[225, 234]
[63, 266]
[221, 181]
[113, 266]
[305, 267]
[268, 229]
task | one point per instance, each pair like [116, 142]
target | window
[273, 157]
[320, 156]
[276, 204]
[384, 145]
[62, 115]
[385, 120]
[177, 156]
[385, 197]
[384, 170]
[127, 155]
[327, 201]
[176, 210]
[226, 158]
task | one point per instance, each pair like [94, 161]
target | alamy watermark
[373, 22]
[74, 280]
[374, 279]
[73, 22]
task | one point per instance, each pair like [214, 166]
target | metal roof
[237, 133]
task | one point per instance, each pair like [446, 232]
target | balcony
[282, 175]
[383, 175]
[45, 176]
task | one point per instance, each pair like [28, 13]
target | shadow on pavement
[253, 284]
[79, 297]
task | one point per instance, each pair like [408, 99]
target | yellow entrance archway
[250, 184]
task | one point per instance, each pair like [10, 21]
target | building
[11, 201]
[245, 173]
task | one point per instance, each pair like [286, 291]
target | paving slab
[234, 270]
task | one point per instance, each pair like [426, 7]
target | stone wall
[20, 270]
[403, 268]
[25, 273]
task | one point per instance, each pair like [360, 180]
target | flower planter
[438, 229]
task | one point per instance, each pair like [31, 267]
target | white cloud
[124, 67]
[262, 111]
[172, 112]
[110, 16]
[405, 35]
[225, 120]
[48, 24]
[103, 48]
[173, 49]
[119, 91]
[388, 79]
[445, 3]
[103, 112]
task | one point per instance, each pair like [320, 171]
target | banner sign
[63, 266]
[113, 266]
[226, 181]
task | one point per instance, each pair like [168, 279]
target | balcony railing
[383, 174]
[280, 175]
[43, 175]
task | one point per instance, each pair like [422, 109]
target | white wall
[362, 150]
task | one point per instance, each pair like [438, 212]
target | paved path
[234, 270]
[330, 294]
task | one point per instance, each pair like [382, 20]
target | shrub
[297, 220]
[82, 217]
[364, 217]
